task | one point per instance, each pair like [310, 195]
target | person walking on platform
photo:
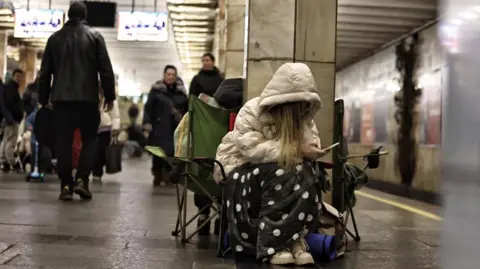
[207, 81]
[166, 104]
[12, 112]
[30, 97]
[108, 130]
[208, 78]
[76, 56]
[133, 113]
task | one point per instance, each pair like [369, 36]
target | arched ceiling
[363, 27]
[140, 62]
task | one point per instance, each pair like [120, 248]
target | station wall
[368, 88]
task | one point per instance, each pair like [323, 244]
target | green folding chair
[206, 128]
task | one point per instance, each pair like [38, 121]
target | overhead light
[183, 16]
[393, 86]
[6, 11]
[191, 47]
[191, 39]
[457, 22]
[194, 35]
[189, 9]
[469, 15]
[190, 2]
[189, 23]
[191, 29]
[184, 53]
[425, 81]
[7, 18]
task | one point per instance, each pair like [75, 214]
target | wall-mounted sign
[142, 26]
[37, 23]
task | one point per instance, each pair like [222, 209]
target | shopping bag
[113, 156]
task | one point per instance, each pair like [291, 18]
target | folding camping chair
[207, 126]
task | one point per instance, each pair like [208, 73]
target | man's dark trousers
[69, 116]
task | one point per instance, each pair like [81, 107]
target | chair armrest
[210, 163]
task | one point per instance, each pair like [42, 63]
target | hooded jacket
[206, 82]
[162, 112]
[230, 93]
[109, 120]
[253, 138]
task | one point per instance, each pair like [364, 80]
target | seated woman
[272, 195]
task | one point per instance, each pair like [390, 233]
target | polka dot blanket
[268, 208]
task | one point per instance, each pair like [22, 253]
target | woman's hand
[310, 151]
[146, 129]
[177, 115]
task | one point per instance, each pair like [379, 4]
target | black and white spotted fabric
[268, 208]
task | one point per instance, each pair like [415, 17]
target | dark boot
[205, 230]
[6, 167]
[66, 194]
[166, 178]
[157, 178]
[81, 188]
[216, 227]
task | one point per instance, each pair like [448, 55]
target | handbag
[113, 157]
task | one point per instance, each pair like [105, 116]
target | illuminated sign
[142, 26]
[37, 23]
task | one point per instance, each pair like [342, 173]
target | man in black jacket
[76, 56]
[12, 112]
[208, 78]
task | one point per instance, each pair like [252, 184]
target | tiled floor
[128, 225]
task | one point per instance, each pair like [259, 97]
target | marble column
[3, 53]
[220, 42]
[28, 59]
[282, 31]
[235, 38]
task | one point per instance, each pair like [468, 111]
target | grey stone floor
[128, 225]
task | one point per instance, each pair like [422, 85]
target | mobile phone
[332, 146]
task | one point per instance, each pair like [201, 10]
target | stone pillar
[235, 38]
[28, 59]
[221, 43]
[3, 53]
[282, 31]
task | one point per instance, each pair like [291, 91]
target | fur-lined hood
[160, 86]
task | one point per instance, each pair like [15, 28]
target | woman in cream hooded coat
[109, 126]
[271, 193]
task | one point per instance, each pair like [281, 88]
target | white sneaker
[95, 178]
[300, 254]
[282, 258]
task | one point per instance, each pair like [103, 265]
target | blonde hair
[288, 119]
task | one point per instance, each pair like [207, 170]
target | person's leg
[3, 158]
[11, 136]
[157, 167]
[88, 130]
[65, 120]
[203, 204]
[104, 139]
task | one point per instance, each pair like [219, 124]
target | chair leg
[216, 206]
[223, 250]
[201, 226]
[184, 212]
[180, 203]
[220, 247]
[355, 236]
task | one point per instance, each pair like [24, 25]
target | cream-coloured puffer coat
[109, 121]
[253, 137]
